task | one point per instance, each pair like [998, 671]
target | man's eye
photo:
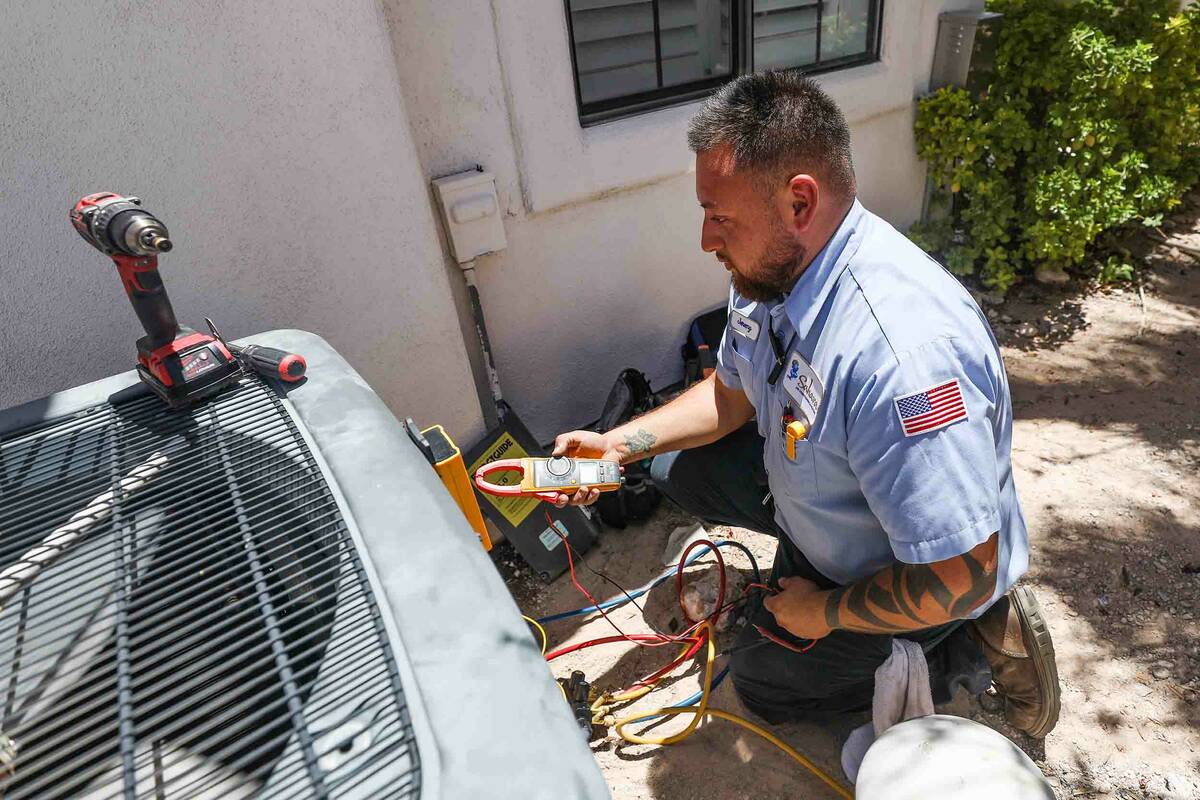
[719, 220]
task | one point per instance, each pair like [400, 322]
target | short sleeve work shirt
[894, 370]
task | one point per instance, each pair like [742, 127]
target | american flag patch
[933, 408]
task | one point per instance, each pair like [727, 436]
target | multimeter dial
[559, 466]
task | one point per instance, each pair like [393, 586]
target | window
[632, 56]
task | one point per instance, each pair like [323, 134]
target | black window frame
[742, 45]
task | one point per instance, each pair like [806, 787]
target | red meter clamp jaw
[516, 489]
[547, 478]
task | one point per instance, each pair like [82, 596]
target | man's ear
[804, 194]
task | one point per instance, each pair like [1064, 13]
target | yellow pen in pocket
[795, 431]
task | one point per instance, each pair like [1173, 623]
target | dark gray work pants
[725, 483]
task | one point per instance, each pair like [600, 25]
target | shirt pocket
[794, 478]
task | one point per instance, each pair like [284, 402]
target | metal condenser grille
[183, 614]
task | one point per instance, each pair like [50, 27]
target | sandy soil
[1106, 391]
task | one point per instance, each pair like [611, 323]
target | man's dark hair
[777, 124]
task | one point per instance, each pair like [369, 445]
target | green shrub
[1092, 121]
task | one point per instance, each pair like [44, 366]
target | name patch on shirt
[801, 382]
[744, 325]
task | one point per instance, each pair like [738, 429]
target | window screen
[635, 55]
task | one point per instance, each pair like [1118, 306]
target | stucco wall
[604, 268]
[272, 138]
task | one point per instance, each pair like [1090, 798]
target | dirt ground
[1106, 393]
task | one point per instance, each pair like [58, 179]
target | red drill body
[179, 364]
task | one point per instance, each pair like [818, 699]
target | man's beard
[774, 274]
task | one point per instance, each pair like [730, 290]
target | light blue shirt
[874, 333]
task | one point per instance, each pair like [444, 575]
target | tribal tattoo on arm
[640, 442]
[908, 597]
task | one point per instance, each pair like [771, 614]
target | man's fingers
[797, 584]
[561, 443]
[582, 497]
[769, 603]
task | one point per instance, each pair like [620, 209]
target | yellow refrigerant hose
[699, 711]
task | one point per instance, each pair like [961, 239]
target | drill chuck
[119, 225]
[155, 242]
[132, 237]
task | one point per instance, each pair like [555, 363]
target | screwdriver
[270, 362]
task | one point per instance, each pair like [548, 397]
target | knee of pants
[762, 675]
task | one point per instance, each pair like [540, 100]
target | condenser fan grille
[183, 613]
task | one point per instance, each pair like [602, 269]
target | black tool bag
[630, 396]
[700, 350]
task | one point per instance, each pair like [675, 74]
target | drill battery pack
[191, 367]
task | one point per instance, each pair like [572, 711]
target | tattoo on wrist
[640, 442]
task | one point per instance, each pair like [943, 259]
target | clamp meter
[546, 478]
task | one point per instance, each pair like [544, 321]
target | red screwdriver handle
[270, 362]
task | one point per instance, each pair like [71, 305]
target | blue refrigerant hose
[636, 593]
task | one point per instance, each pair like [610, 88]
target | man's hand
[897, 599]
[699, 416]
[799, 608]
[583, 444]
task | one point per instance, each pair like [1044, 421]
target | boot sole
[1040, 647]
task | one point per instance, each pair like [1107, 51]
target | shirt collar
[804, 302]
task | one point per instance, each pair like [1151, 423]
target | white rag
[901, 693]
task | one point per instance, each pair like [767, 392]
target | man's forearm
[908, 597]
[699, 416]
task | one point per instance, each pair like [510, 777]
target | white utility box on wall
[470, 210]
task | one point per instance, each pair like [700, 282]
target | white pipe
[25, 569]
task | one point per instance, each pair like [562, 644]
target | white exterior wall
[272, 139]
[604, 268]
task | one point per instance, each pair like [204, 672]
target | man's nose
[709, 241]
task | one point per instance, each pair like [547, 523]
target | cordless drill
[181, 365]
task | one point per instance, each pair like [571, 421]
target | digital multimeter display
[588, 472]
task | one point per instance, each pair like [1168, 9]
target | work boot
[1016, 643]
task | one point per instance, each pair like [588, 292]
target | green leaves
[1114, 269]
[1092, 122]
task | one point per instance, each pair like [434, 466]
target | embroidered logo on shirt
[801, 382]
[932, 408]
[744, 325]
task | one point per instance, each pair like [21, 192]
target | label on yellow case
[514, 509]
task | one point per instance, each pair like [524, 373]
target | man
[880, 453]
